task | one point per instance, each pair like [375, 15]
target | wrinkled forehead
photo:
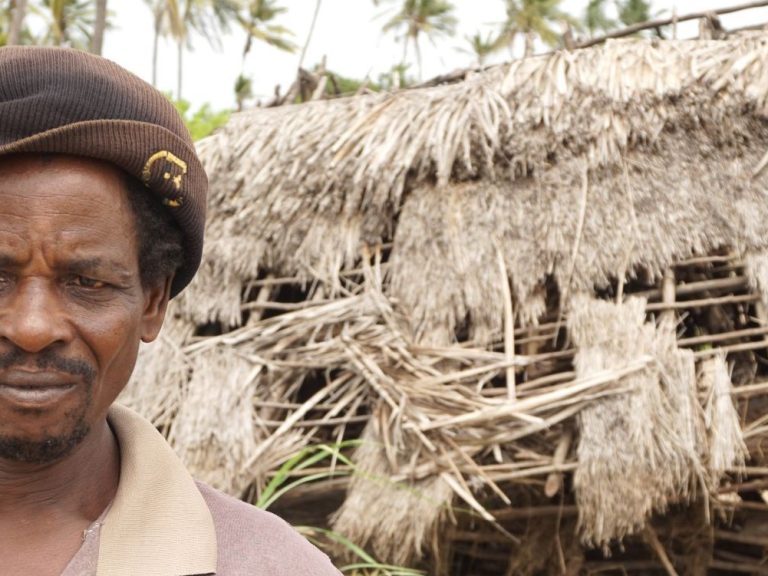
[63, 191]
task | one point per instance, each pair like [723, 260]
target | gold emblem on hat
[171, 173]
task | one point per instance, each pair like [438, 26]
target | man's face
[72, 307]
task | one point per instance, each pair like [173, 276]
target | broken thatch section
[443, 274]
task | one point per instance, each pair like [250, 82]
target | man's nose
[32, 318]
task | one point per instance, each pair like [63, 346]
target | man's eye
[85, 282]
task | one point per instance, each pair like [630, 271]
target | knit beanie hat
[60, 100]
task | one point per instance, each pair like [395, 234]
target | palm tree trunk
[529, 38]
[309, 34]
[180, 69]
[17, 23]
[155, 46]
[99, 26]
[60, 22]
[418, 56]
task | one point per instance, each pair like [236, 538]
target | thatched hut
[535, 299]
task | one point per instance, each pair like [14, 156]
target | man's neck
[45, 508]
[81, 484]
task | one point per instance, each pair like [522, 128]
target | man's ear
[155, 304]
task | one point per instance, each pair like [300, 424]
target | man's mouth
[34, 396]
[34, 389]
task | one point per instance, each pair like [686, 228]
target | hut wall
[355, 287]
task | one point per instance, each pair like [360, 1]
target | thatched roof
[453, 250]
[582, 165]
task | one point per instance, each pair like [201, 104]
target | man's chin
[44, 450]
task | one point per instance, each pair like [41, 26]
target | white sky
[348, 34]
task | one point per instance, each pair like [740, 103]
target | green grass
[282, 483]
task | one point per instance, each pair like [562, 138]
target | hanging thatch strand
[726, 444]
[636, 451]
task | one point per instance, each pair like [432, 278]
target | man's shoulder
[254, 542]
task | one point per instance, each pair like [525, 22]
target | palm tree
[595, 19]
[533, 19]
[209, 18]
[99, 26]
[166, 21]
[70, 22]
[480, 46]
[430, 18]
[629, 12]
[256, 23]
[179, 18]
[243, 91]
[633, 11]
[19, 11]
[309, 34]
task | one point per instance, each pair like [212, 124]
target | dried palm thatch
[635, 153]
[429, 271]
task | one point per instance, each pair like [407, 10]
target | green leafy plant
[203, 121]
[281, 482]
[368, 565]
[285, 480]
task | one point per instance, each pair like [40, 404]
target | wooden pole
[668, 296]
[509, 326]
[555, 480]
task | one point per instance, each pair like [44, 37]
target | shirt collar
[159, 523]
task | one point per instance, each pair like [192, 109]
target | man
[102, 204]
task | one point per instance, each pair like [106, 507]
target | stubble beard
[46, 450]
[50, 448]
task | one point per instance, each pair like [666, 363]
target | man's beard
[50, 448]
[44, 451]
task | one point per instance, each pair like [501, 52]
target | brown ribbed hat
[60, 100]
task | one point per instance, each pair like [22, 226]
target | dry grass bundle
[756, 266]
[407, 514]
[158, 382]
[632, 460]
[727, 450]
[216, 441]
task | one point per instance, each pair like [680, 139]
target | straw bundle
[632, 459]
[407, 514]
[757, 274]
[726, 445]
[215, 441]
[158, 382]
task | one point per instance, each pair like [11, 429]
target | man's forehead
[70, 187]
[54, 170]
